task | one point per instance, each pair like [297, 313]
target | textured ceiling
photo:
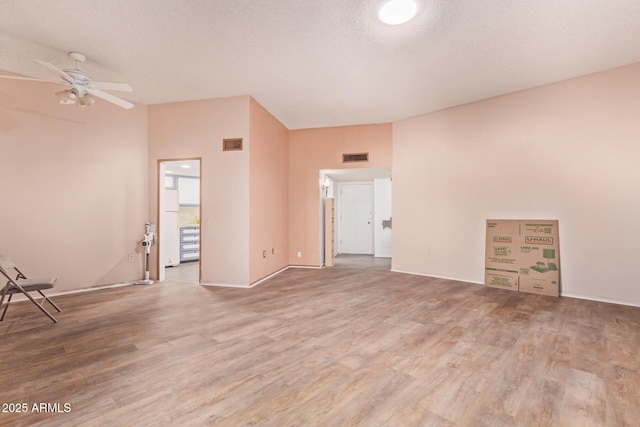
[322, 63]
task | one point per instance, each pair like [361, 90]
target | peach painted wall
[74, 186]
[568, 151]
[269, 193]
[196, 129]
[311, 150]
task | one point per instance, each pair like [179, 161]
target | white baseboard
[256, 283]
[607, 300]
[437, 277]
[563, 294]
[21, 297]
[226, 285]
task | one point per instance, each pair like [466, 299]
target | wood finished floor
[348, 345]
[186, 272]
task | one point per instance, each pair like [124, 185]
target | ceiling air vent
[232, 144]
[355, 157]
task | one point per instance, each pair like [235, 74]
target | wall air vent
[232, 144]
[355, 157]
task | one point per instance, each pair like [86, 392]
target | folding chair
[23, 285]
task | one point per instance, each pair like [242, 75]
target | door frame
[330, 189]
[160, 195]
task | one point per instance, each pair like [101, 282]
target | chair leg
[5, 307]
[44, 310]
[47, 299]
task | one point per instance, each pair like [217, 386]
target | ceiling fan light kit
[85, 101]
[67, 96]
[73, 96]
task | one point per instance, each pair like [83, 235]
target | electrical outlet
[299, 254]
[264, 254]
[131, 258]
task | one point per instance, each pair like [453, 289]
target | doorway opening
[360, 230]
[179, 213]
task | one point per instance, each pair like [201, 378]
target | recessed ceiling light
[396, 12]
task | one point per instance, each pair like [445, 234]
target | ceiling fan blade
[120, 87]
[66, 77]
[111, 98]
[27, 78]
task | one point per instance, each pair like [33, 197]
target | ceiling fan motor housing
[78, 76]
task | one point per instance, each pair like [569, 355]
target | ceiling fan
[82, 88]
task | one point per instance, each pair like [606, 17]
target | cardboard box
[539, 257]
[523, 255]
[501, 264]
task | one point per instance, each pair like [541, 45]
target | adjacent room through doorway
[179, 220]
[358, 225]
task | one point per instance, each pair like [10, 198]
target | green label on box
[501, 251]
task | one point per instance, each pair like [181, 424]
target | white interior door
[356, 218]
